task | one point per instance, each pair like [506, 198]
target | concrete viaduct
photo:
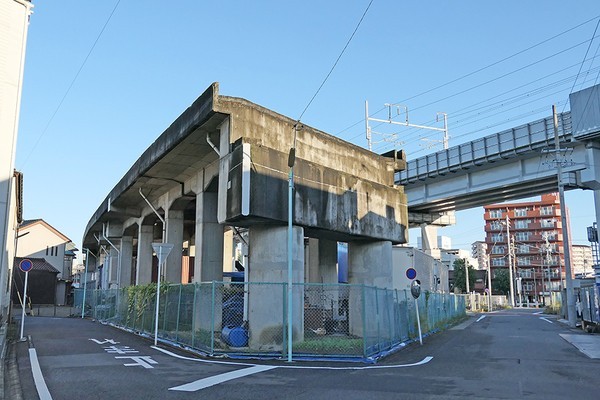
[220, 172]
[508, 165]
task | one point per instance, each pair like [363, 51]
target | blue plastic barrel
[235, 336]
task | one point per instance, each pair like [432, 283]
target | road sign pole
[24, 304]
[418, 321]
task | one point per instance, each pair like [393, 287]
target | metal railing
[333, 320]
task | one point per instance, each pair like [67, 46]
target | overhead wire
[62, 100]
[336, 61]
[479, 70]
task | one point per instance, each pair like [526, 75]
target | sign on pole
[162, 252]
[25, 265]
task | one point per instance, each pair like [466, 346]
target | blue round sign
[411, 273]
[25, 265]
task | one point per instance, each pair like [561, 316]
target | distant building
[443, 242]
[39, 240]
[448, 256]
[582, 262]
[536, 245]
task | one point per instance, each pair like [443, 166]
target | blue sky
[154, 58]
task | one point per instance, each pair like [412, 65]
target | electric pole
[510, 271]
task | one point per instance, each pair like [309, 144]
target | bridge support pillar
[369, 265]
[208, 263]
[143, 274]
[268, 262]
[174, 231]
[113, 269]
[126, 261]
[429, 242]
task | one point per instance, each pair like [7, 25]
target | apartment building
[528, 237]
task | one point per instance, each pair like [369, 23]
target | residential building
[432, 274]
[535, 246]
[14, 21]
[39, 240]
[582, 263]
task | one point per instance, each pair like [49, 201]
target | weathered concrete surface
[342, 191]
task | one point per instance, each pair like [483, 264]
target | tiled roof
[39, 264]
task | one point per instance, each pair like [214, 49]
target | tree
[460, 282]
[501, 282]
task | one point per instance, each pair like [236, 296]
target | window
[495, 213]
[525, 273]
[522, 236]
[547, 223]
[546, 210]
[496, 225]
[527, 286]
[521, 212]
[46, 250]
[498, 249]
[523, 248]
[523, 260]
[522, 223]
[498, 262]
[497, 237]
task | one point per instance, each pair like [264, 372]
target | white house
[38, 239]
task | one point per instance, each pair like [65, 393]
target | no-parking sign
[25, 265]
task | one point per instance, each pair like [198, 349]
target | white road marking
[546, 319]
[480, 318]
[143, 361]
[215, 380]
[422, 362]
[38, 378]
[538, 313]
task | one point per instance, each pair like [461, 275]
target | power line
[337, 60]
[479, 70]
[583, 61]
[71, 84]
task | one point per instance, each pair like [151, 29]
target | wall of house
[42, 242]
[432, 274]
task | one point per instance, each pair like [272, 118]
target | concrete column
[208, 263]
[429, 242]
[268, 262]
[597, 205]
[228, 252]
[126, 261]
[144, 255]
[174, 221]
[113, 270]
[369, 264]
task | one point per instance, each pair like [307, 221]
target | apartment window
[522, 236]
[546, 210]
[547, 223]
[523, 248]
[520, 212]
[498, 249]
[498, 262]
[525, 273]
[496, 225]
[497, 237]
[523, 260]
[522, 223]
[527, 286]
[495, 213]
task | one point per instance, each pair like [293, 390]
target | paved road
[504, 355]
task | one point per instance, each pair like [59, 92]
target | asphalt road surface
[504, 355]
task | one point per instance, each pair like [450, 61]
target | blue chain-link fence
[250, 319]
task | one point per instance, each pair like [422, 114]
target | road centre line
[38, 378]
[422, 362]
[480, 318]
[546, 319]
[217, 379]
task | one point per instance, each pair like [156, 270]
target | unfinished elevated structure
[222, 167]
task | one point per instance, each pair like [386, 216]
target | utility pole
[510, 271]
[572, 317]
[467, 274]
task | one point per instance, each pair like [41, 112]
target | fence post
[178, 312]
[194, 314]
[212, 325]
[364, 322]
[284, 318]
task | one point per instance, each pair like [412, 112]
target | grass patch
[330, 345]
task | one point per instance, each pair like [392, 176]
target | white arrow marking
[215, 380]
[480, 318]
